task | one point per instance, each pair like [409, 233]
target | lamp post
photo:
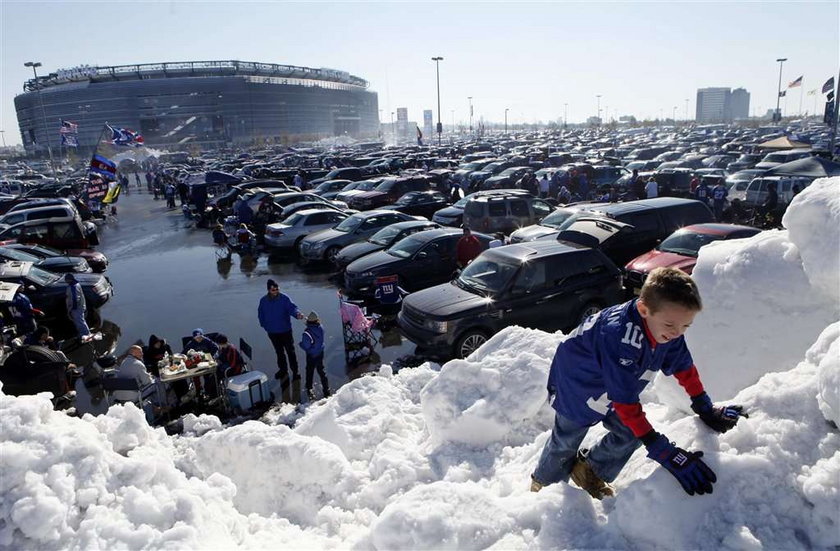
[393, 129]
[452, 112]
[565, 115]
[3, 134]
[778, 115]
[674, 116]
[686, 110]
[35, 65]
[471, 113]
[599, 108]
[506, 111]
[437, 61]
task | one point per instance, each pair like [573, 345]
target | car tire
[331, 253]
[469, 342]
[296, 246]
[588, 309]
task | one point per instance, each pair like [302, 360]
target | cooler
[247, 389]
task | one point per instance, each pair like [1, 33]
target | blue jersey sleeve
[678, 358]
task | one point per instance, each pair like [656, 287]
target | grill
[412, 316]
[634, 279]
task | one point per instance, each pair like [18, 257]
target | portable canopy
[812, 167]
[782, 142]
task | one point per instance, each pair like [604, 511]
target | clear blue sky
[643, 58]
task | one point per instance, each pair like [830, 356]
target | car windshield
[556, 218]
[462, 202]
[487, 274]
[350, 224]
[775, 158]
[492, 167]
[405, 248]
[41, 277]
[385, 236]
[686, 242]
[15, 254]
[351, 185]
[406, 199]
[366, 186]
[324, 186]
[471, 166]
[385, 186]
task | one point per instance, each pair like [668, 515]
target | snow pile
[428, 459]
[765, 298]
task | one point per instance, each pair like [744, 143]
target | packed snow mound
[813, 221]
[826, 355]
[478, 402]
[762, 307]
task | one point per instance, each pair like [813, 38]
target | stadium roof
[180, 69]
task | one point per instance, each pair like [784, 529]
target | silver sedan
[289, 232]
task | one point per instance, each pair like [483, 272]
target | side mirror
[31, 288]
[422, 255]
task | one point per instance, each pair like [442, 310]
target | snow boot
[535, 486]
[585, 477]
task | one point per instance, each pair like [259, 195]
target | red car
[679, 250]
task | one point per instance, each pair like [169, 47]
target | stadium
[205, 103]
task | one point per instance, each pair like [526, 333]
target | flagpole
[96, 147]
[834, 126]
[801, 91]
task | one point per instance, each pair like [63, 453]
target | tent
[782, 142]
[813, 167]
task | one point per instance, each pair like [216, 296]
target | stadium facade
[209, 103]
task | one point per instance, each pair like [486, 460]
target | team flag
[828, 86]
[796, 83]
[69, 140]
[783, 93]
[103, 166]
[812, 92]
[68, 127]
[123, 136]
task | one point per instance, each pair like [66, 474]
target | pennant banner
[828, 86]
[104, 167]
[69, 140]
[123, 136]
[782, 93]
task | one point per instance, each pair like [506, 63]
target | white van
[38, 213]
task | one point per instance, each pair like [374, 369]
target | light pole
[506, 111]
[686, 110]
[437, 61]
[452, 112]
[471, 113]
[599, 109]
[35, 65]
[674, 116]
[3, 134]
[778, 115]
[565, 115]
[393, 129]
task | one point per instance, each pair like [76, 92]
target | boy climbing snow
[597, 375]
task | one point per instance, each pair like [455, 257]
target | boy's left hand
[720, 419]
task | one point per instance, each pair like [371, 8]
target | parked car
[356, 188]
[756, 191]
[551, 224]
[37, 213]
[737, 183]
[325, 244]
[291, 231]
[330, 188]
[504, 213]
[47, 290]
[56, 265]
[62, 233]
[506, 179]
[680, 250]
[381, 240]
[349, 173]
[388, 192]
[420, 203]
[543, 284]
[780, 157]
[95, 259]
[419, 261]
[744, 162]
[308, 205]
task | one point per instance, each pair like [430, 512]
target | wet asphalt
[168, 281]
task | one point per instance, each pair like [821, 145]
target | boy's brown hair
[670, 285]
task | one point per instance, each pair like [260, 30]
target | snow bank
[427, 459]
[764, 297]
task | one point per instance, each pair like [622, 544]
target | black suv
[542, 284]
[420, 260]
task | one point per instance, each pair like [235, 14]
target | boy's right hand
[687, 467]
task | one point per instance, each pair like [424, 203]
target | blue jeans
[606, 458]
[78, 318]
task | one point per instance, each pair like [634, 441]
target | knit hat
[197, 332]
[69, 278]
[312, 317]
[271, 283]
[221, 339]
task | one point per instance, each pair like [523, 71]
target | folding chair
[389, 294]
[127, 384]
[356, 330]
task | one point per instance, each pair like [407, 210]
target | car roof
[407, 224]
[14, 268]
[718, 229]
[435, 233]
[615, 209]
[535, 249]
[307, 212]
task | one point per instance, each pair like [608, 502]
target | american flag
[795, 83]
[68, 127]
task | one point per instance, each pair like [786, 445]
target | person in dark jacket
[312, 342]
[23, 314]
[228, 358]
[275, 313]
[244, 213]
[200, 343]
[154, 352]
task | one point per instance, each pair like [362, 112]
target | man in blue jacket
[312, 342]
[76, 306]
[275, 313]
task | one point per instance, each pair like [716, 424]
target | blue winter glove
[720, 419]
[687, 467]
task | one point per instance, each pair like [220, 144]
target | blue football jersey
[607, 359]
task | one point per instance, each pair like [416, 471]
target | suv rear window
[496, 208]
[474, 208]
[519, 208]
